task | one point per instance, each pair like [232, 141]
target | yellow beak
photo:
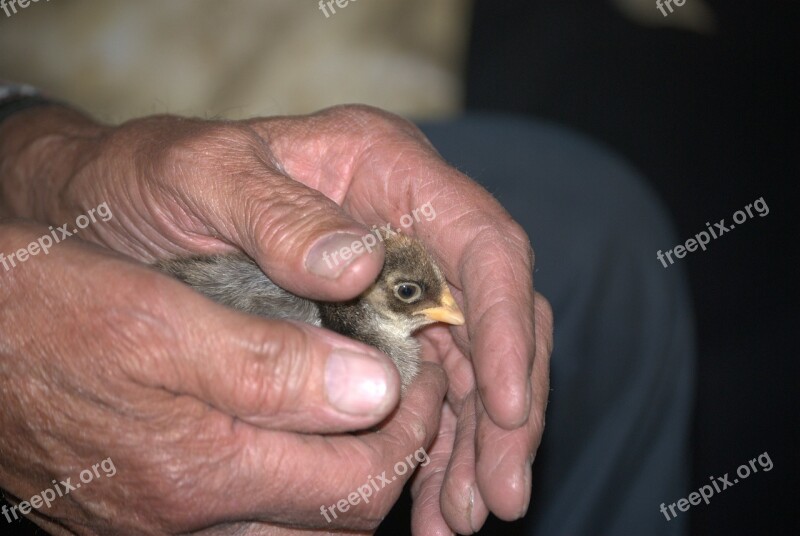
[447, 312]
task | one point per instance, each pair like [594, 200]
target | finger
[491, 266]
[426, 490]
[488, 258]
[503, 471]
[504, 457]
[305, 480]
[302, 239]
[462, 504]
[272, 374]
[437, 341]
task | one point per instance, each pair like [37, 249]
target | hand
[380, 168]
[182, 186]
[197, 408]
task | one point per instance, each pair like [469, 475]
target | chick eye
[407, 292]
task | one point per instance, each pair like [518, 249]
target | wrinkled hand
[288, 190]
[197, 406]
[379, 168]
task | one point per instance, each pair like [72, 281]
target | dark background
[711, 121]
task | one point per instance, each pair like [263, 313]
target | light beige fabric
[122, 58]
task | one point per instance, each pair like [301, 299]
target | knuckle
[356, 113]
[278, 228]
[544, 312]
[517, 236]
[219, 135]
[274, 376]
[371, 120]
[141, 326]
[508, 239]
[516, 233]
[195, 142]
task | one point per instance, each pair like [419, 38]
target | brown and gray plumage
[410, 293]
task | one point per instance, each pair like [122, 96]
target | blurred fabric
[234, 59]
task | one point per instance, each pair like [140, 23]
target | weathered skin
[377, 317]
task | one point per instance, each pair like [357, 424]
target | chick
[410, 293]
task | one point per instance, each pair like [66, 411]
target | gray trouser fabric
[617, 439]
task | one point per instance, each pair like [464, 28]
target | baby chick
[410, 293]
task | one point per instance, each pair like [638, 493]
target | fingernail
[527, 477]
[475, 521]
[332, 254]
[355, 383]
